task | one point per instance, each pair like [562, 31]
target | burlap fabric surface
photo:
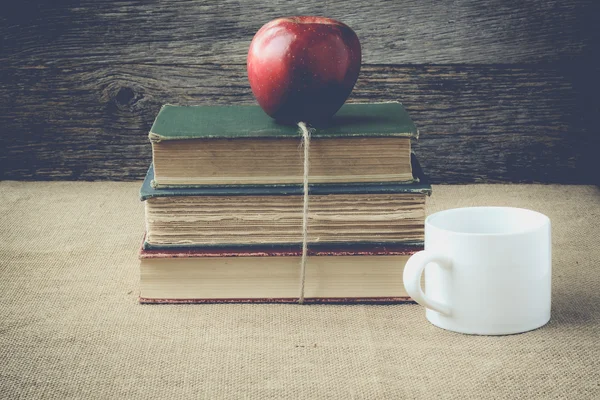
[71, 327]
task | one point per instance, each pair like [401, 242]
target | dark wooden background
[501, 90]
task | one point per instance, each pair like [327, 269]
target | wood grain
[63, 32]
[81, 81]
[477, 123]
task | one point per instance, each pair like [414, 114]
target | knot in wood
[125, 96]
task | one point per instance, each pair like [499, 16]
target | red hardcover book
[334, 274]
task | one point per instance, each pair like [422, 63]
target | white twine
[306, 144]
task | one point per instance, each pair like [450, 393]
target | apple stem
[306, 132]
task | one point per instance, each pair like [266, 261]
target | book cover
[250, 121]
[392, 257]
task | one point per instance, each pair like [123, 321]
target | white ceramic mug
[488, 270]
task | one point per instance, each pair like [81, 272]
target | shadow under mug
[487, 270]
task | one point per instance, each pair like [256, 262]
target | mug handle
[412, 279]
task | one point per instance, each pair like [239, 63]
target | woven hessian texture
[71, 326]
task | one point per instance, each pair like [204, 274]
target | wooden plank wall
[501, 90]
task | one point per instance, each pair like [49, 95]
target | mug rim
[528, 229]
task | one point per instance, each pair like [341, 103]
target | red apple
[303, 68]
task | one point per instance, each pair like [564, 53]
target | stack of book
[224, 206]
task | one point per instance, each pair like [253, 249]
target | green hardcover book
[343, 214]
[241, 145]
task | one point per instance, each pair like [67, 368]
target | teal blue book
[347, 214]
[196, 146]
